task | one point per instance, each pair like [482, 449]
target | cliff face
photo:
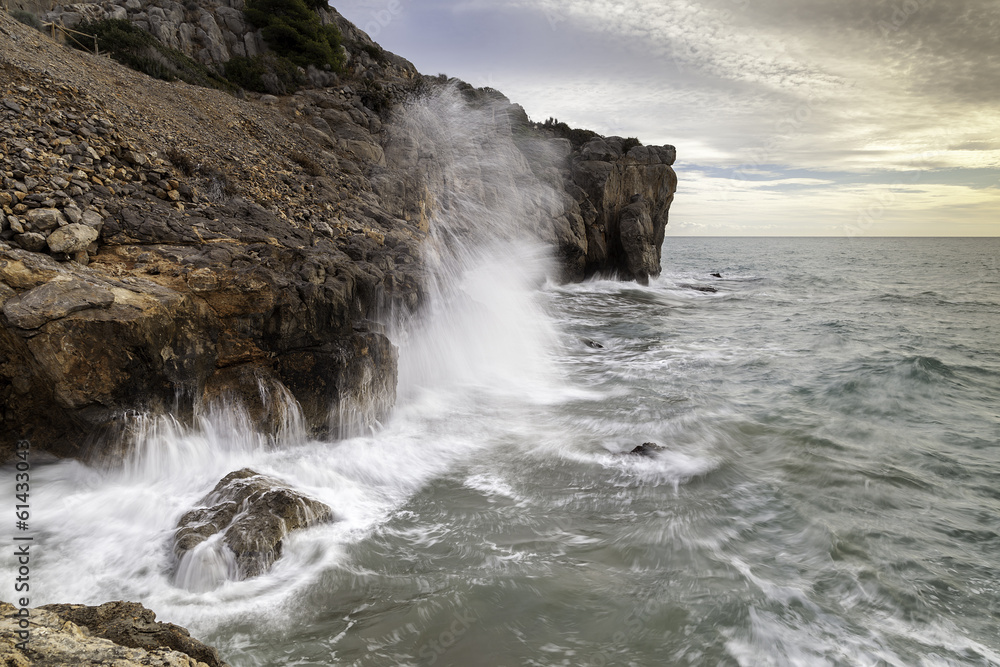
[225, 248]
[163, 246]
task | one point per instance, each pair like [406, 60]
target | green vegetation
[293, 30]
[27, 18]
[376, 52]
[138, 49]
[576, 136]
[264, 74]
[629, 144]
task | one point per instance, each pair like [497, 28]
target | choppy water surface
[828, 493]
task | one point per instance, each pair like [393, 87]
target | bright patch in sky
[789, 116]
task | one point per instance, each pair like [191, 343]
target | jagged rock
[631, 196]
[285, 245]
[92, 219]
[71, 238]
[637, 239]
[253, 513]
[115, 634]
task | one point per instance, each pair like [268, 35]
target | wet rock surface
[253, 513]
[647, 449]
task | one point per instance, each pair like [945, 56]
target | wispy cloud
[871, 88]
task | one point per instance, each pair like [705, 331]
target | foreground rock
[252, 514]
[118, 634]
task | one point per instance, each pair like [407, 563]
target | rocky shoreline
[165, 247]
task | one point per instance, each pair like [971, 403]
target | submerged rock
[238, 532]
[122, 634]
[647, 449]
[701, 288]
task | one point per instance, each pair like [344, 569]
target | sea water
[827, 493]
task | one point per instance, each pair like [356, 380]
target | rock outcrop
[627, 196]
[603, 210]
[118, 634]
[251, 514]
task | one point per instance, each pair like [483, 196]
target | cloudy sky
[790, 117]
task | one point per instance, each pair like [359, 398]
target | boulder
[72, 238]
[32, 241]
[252, 513]
[44, 219]
[92, 219]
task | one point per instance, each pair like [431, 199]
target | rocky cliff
[163, 246]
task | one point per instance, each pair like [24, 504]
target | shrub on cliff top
[576, 136]
[293, 30]
[629, 144]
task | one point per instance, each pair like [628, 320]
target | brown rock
[132, 625]
[71, 238]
